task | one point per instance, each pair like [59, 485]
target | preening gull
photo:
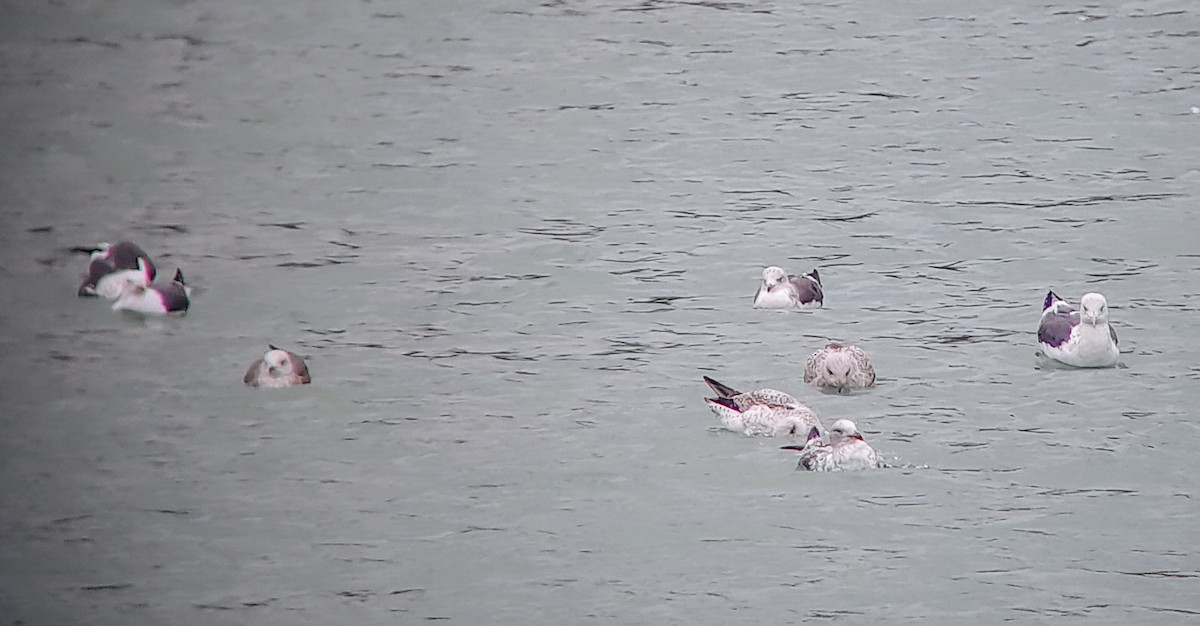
[277, 368]
[766, 412]
[1079, 339]
[111, 265]
[839, 367]
[780, 291]
[173, 297]
[846, 450]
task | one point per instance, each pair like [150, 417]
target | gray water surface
[510, 238]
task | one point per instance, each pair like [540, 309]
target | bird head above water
[279, 362]
[773, 276]
[843, 429]
[838, 366]
[1093, 309]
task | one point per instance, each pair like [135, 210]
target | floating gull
[839, 367]
[846, 450]
[111, 265]
[1079, 339]
[760, 412]
[174, 297]
[277, 368]
[780, 291]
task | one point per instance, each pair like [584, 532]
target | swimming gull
[839, 367]
[111, 265]
[780, 291]
[277, 368]
[767, 412]
[1079, 339]
[173, 297]
[846, 450]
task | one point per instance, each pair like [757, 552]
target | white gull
[846, 450]
[173, 297]
[1079, 339]
[111, 265]
[780, 291]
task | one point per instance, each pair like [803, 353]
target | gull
[839, 367]
[780, 291]
[767, 412]
[113, 264]
[173, 297]
[277, 368]
[1078, 338]
[846, 450]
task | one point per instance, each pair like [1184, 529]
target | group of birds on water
[1078, 338]
[124, 273]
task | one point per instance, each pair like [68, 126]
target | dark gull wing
[251, 373]
[1112, 333]
[724, 391]
[125, 255]
[174, 297]
[1051, 298]
[300, 367]
[807, 290]
[1055, 328]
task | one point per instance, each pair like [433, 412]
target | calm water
[510, 240]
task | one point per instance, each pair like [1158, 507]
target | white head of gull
[1078, 338]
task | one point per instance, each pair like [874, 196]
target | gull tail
[1051, 298]
[721, 390]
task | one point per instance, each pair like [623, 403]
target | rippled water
[511, 239]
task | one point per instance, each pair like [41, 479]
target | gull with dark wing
[767, 412]
[111, 265]
[277, 368]
[1078, 338]
[173, 297]
[780, 291]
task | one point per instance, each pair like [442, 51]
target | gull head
[773, 276]
[838, 366]
[843, 429]
[279, 363]
[1094, 309]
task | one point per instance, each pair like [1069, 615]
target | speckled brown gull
[840, 368]
[767, 412]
